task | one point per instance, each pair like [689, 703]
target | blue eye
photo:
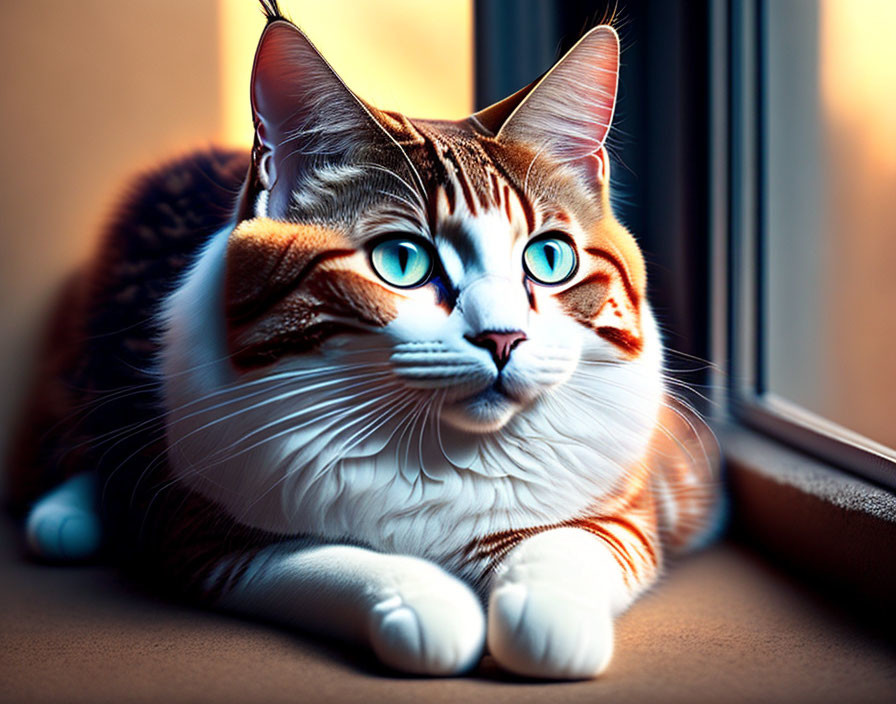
[550, 260]
[401, 262]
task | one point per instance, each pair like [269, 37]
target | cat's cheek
[548, 359]
[419, 317]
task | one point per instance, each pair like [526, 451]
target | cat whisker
[705, 459]
[417, 193]
[154, 388]
[375, 380]
[337, 456]
[281, 379]
[150, 466]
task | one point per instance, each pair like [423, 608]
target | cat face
[480, 258]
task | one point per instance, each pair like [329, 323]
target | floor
[722, 627]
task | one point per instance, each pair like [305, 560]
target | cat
[394, 381]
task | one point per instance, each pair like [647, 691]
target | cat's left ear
[305, 117]
[568, 112]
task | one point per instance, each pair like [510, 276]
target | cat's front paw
[544, 630]
[63, 525]
[551, 606]
[429, 624]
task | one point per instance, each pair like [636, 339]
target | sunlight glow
[858, 93]
[858, 73]
[407, 55]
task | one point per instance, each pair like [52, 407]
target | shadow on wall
[91, 91]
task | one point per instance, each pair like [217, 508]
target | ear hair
[271, 10]
[490, 120]
[305, 116]
[568, 112]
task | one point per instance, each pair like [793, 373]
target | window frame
[691, 77]
[738, 219]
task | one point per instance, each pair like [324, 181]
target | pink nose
[500, 344]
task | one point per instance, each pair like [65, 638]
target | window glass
[829, 246]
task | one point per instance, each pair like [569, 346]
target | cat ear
[490, 120]
[567, 113]
[304, 115]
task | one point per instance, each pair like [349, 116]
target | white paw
[428, 624]
[551, 608]
[545, 630]
[63, 525]
[62, 533]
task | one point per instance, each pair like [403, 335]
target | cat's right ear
[304, 116]
[567, 112]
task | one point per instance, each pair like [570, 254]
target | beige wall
[90, 90]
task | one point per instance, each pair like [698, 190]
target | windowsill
[723, 625]
[812, 518]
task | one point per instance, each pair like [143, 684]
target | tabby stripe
[632, 560]
[432, 210]
[623, 272]
[507, 208]
[224, 574]
[598, 277]
[561, 216]
[441, 176]
[496, 187]
[617, 547]
[310, 338]
[633, 554]
[639, 534]
[492, 548]
[525, 204]
[463, 181]
[258, 307]
[621, 338]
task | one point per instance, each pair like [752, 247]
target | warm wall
[91, 90]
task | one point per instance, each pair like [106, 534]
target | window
[813, 198]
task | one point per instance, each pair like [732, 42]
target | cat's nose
[499, 344]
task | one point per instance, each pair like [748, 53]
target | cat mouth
[485, 411]
[499, 387]
[495, 392]
[496, 398]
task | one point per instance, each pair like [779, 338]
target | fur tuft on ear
[271, 10]
[568, 112]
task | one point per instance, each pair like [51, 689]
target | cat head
[481, 256]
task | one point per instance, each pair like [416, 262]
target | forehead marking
[507, 206]
[460, 176]
[463, 168]
[525, 203]
[496, 188]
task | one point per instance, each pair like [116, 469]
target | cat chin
[486, 412]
